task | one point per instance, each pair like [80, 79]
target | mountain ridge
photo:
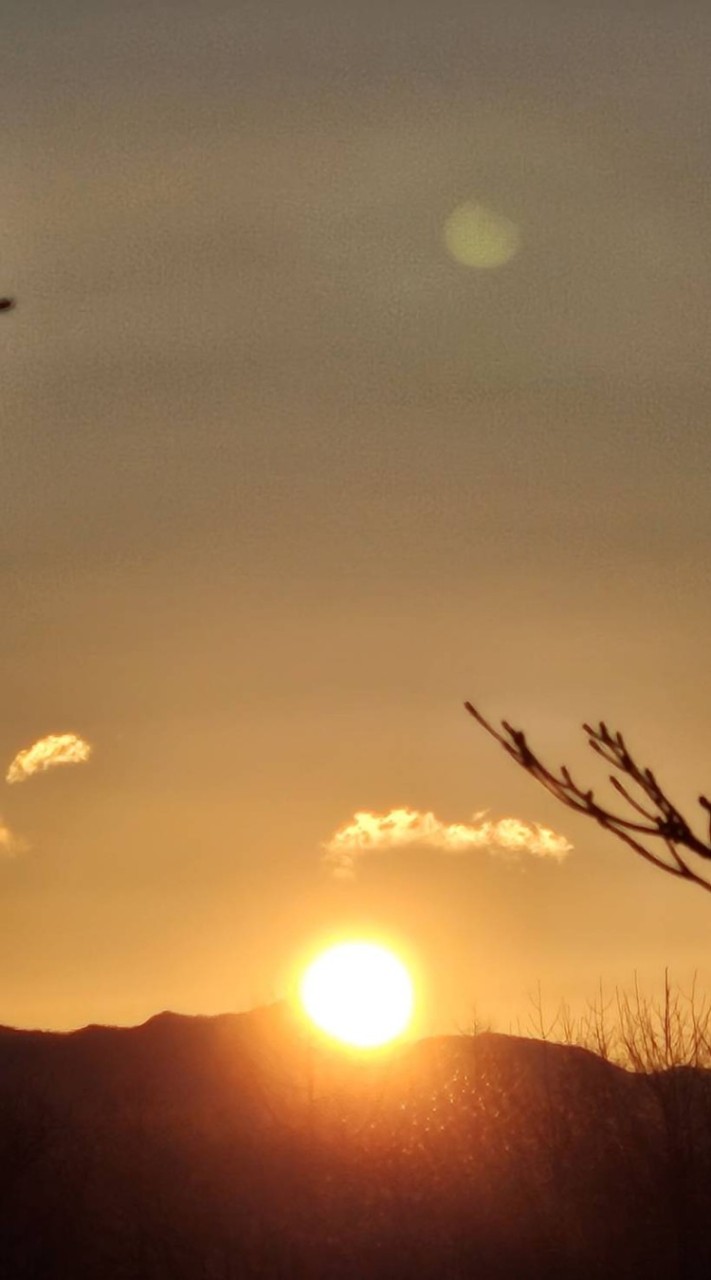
[244, 1145]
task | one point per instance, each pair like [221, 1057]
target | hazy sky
[283, 482]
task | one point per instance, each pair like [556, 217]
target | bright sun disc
[359, 993]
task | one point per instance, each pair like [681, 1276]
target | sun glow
[359, 993]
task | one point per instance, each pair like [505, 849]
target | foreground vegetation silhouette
[662, 826]
[243, 1146]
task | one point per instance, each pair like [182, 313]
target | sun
[359, 993]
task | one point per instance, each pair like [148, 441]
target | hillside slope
[240, 1146]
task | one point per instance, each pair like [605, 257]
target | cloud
[10, 845]
[368, 833]
[55, 749]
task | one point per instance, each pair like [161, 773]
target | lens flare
[359, 993]
[477, 236]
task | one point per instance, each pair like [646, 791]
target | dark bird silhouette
[6, 304]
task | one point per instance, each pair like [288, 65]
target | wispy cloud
[10, 845]
[367, 833]
[55, 749]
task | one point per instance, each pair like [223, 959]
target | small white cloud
[55, 749]
[368, 833]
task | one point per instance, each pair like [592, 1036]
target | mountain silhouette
[244, 1145]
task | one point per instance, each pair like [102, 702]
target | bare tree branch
[662, 821]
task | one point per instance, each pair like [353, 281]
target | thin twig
[663, 821]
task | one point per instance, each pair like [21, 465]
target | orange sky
[284, 482]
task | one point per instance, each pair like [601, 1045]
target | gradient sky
[283, 483]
